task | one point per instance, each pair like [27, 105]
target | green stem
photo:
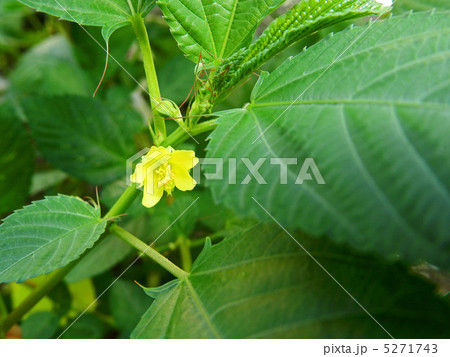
[180, 134]
[185, 251]
[3, 309]
[152, 80]
[57, 276]
[147, 250]
[124, 201]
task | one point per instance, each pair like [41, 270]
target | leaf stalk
[148, 251]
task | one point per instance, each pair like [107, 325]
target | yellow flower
[163, 169]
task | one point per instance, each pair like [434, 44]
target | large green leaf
[16, 161]
[110, 14]
[420, 5]
[370, 106]
[50, 68]
[47, 235]
[214, 29]
[82, 137]
[261, 284]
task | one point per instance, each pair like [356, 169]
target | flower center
[165, 178]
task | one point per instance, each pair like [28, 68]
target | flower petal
[183, 181]
[138, 175]
[156, 154]
[152, 196]
[184, 158]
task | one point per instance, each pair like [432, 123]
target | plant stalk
[180, 134]
[185, 252]
[147, 250]
[123, 203]
[140, 30]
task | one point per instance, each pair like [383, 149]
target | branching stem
[181, 134]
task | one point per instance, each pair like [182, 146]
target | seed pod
[303, 19]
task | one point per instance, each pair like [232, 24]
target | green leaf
[83, 137]
[47, 235]
[214, 29]
[42, 324]
[127, 304]
[110, 14]
[16, 161]
[50, 68]
[374, 119]
[420, 5]
[261, 284]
